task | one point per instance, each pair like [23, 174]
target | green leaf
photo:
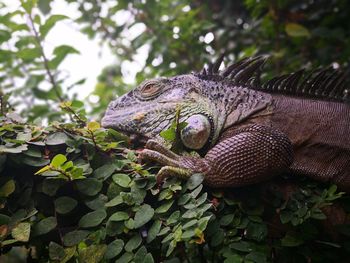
[165, 194]
[77, 104]
[29, 53]
[296, 30]
[318, 214]
[35, 162]
[56, 138]
[194, 181]
[115, 201]
[217, 238]
[8, 188]
[196, 191]
[67, 165]
[169, 134]
[163, 231]
[89, 186]
[51, 185]
[4, 36]
[256, 257]
[56, 252]
[190, 214]
[129, 224]
[61, 53]
[69, 253]
[21, 232]
[188, 234]
[18, 149]
[4, 219]
[119, 216]
[140, 254]
[58, 160]
[50, 22]
[203, 222]
[138, 195]
[286, 216]
[44, 169]
[168, 238]
[45, 226]
[182, 125]
[171, 248]
[75, 237]
[226, 219]
[233, 258]
[183, 199]
[8, 242]
[44, 6]
[242, 246]
[290, 240]
[190, 223]
[148, 258]
[125, 258]
[65, 204]
[92, 219]
[25, 137]
[143, 215]
[114, 248]
[121, 179]
[164, 207]
[104, 172]
[28, 5]
[256, 231]
[133, 243]
[173, 218]
[154, 230]
[93, 125]
[96, 203]
[92, 254]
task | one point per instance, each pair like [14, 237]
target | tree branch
[45, 60]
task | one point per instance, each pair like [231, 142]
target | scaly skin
[247, 135]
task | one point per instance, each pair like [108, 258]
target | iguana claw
[173, 163]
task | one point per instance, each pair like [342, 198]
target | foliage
[72, 191]
[177, 37]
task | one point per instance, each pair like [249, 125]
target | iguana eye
[150, 88]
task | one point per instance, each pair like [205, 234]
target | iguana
[248, 131]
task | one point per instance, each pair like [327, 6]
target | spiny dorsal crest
[328, 83]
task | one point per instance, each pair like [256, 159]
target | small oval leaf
[93, 218]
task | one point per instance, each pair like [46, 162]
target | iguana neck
[233, 104]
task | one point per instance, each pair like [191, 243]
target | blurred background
[53, 51]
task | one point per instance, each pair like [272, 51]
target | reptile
[246, 131]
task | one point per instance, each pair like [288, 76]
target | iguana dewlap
[250, 132]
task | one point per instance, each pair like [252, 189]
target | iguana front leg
[173, 164]
[250, 155]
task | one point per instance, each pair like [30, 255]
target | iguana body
[249, 132]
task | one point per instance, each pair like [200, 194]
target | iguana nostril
[197, 132]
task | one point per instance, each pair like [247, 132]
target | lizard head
[151, 108]
[209, 102]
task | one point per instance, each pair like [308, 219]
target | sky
[93, 57]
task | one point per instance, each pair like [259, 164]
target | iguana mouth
[136, 139]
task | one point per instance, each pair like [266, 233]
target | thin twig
[58, 228]
[75, 115]
[45, 60]
[61, 171]
[93, 139]
[2, 106]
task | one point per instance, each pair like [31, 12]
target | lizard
[245, 131]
